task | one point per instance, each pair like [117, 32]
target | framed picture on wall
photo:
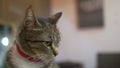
[90, 13]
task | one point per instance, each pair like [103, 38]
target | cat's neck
[21, 62]
[25, 55]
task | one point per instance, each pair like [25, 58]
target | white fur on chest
[21, 62]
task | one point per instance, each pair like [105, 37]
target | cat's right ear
[53, 19]
[30, 19]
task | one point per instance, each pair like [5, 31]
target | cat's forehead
[31, 21]
[44, 21]
[44, 25]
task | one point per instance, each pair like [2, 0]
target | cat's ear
[30, 19]
[53, 19]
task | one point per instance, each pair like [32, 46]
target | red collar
[26, 56]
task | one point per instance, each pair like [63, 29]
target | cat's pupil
[47, 43]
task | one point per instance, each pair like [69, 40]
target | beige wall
[68, 8]
[13, 11]
[83, 45]
[107, 38]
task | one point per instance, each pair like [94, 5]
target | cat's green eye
[47, 43]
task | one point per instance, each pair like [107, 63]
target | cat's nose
[54, 49]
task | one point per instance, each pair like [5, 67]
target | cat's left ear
[29, 13]
[30, 19]
[53, 19]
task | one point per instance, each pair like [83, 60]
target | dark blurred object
[69, 65]
[108, 60]
[90, 13]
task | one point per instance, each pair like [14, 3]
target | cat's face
[39, 37]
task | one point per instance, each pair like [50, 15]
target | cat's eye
[47, 43]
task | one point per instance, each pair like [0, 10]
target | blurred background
[90, 30]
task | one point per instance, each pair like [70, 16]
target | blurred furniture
[69, 65]
[109, 60]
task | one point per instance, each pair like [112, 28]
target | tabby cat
[36, 43]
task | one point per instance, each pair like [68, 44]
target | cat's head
[39, 37]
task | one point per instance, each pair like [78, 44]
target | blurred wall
[13, 11]
[107, 39]
[83, 45]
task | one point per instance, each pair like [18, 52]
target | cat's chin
[43, 56]
[45, 59]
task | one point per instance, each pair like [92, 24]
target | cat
[36, 42]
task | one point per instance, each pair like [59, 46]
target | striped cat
[36, 43]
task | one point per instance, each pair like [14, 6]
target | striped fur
[38, 37]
